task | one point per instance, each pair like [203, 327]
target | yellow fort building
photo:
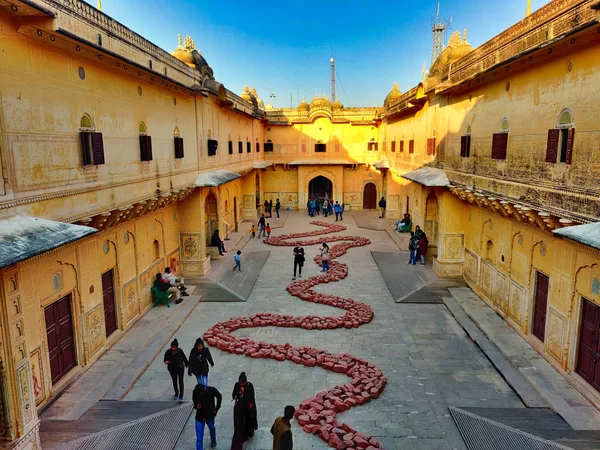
[119, 158]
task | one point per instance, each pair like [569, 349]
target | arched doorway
[370, 196]
[319, 186]
[212, 217]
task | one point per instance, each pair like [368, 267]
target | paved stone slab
[402, 279]
[551, 385]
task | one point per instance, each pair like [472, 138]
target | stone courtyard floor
[429, 360]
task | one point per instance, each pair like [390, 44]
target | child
[253, 231]
[238, 261]
[268, 230]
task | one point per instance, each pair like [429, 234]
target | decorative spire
[465, 35]
[253, 91]
[188, 42]
[528, 10]
[396, 87]
[424, 71]
[246, 88]
[179, 40]
[99, 5]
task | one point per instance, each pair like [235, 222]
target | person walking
[238, 261]
[382, 205]
[204, 403]
[277, 207]
[216, 241]
[176, 363]
[282, 430]
[336, 210]
[413, 244]
[268, 230]
[253, 231]
[325, 207]
[342, 212]
[245, 421]
[163, 286]
[325, 257]
[298, 259]
[262, 223]
[199, 359]
[423, 246]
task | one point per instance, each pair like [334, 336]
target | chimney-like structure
[332, 61]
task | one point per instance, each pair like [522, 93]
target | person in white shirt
[175, 282]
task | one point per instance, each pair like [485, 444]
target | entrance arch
[212, 216]
[319, 186]
[370, 196]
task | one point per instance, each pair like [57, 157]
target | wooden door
[588, 362]
[108, 295]
[59, 331]
[370, 196]
[540, 306]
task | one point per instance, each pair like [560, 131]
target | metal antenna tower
[332, 61]
[438, 27]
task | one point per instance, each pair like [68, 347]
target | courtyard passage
[422, 350]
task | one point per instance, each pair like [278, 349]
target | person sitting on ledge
[403, 226]
[163, 286]
[217, 242]
[175, 281]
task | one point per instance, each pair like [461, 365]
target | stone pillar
[192, 239]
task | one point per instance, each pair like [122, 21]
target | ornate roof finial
[465, 35]
[189, 43]
[246, 88]
[99, 5]
[179, 40]
[424, 71]
[253, 91]
[396, 87]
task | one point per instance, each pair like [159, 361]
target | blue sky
[283, 47]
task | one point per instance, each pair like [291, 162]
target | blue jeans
[200, 433]
[202, 379]
[262, 231]
[325, 265]
[277, 212]
[413, 257]
[238, 265]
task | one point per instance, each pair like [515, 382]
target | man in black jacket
[206, 411]
[199, 359]
[382, 205]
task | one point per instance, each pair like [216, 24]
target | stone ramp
[213, 291]
[104, 415]
[403, 280]
[541, 422]
[480, 433]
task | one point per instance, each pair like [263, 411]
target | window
[499, 145]
[178, 147]
[231, 147]
[320, 148]
[257, 147]
[384, 146]
[402, 146]
[212, 147]
[465, 146]
[411, 146]
[561, 140]
[240, 147]
[92, 147]
[248, 147]
[372, 146]
[393, 146]
[145, 147]
[268, 146]
[156, 247]
[430, 146]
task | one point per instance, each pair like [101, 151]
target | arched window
[92, 143]
[489, 250]
[156, 249]
[465, 143]
[178, 142]
[269, 145]
[561, 139]
[145, 143]
[500, 140]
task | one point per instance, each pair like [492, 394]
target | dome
[184, 56]
[259, 100]
[246, 95]
[269, 107]
[303, 106]
[338, 105]
[320, 102]
[456, 49]
[394, 94]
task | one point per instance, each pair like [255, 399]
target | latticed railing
[498, 50]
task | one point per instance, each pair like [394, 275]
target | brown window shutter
[248, 147]
[468, 152]
[376, 145]
[257, 147]
[268, 147]
[463, 146]
[429, 145]
[240, 147]
[178, 147]
[411, 146]
[503, 145]
[495, 142]
[433, 147]
[98, 148]
[401, 146]
[85, 148]
[393, 146]
[145, 148]
[570, 142]
[552, 145]
[231, 147]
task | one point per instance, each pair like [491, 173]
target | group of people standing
[317, 204]
[207, 400]
[268, 206]
[417, 245]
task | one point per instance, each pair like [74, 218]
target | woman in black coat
[176, 363]
[245, 420]
[200, 357]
